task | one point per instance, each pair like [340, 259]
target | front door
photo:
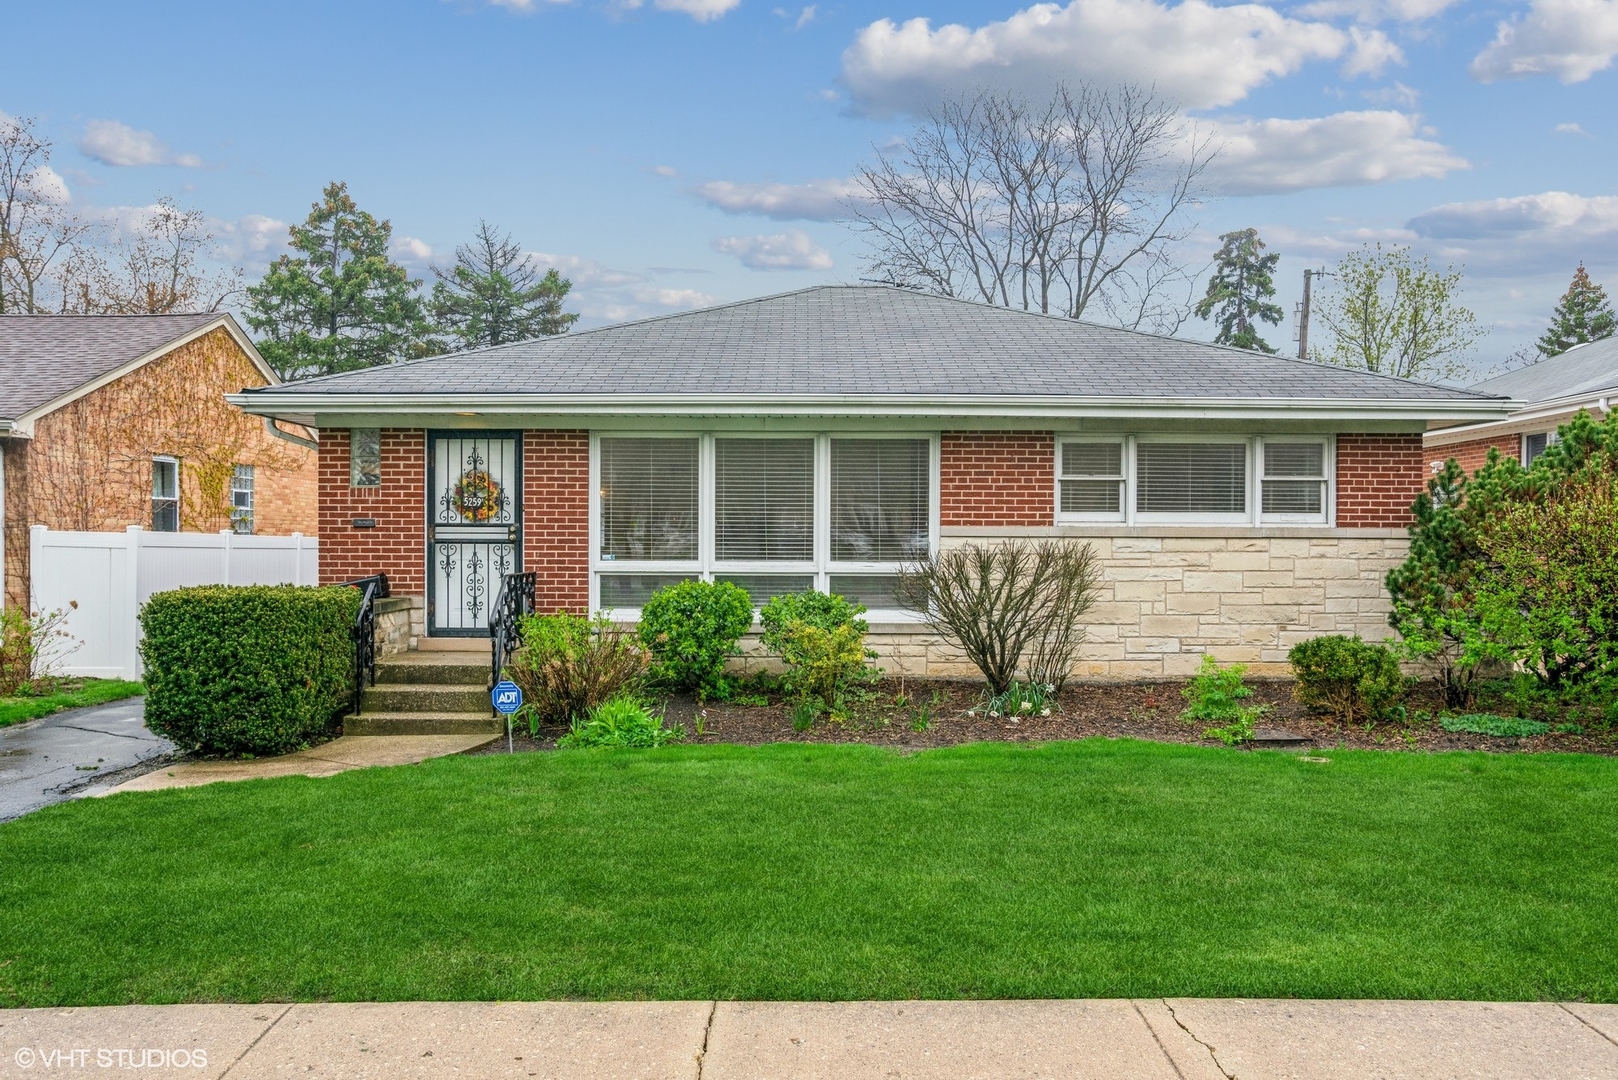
[474, 534]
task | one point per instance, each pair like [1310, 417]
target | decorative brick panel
[1472, 454]
[397, 546]
[991, 479]
[556, 517]
[1378, 478]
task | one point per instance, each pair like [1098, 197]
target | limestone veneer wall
[1169, 596]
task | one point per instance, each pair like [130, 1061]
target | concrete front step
[424, 698]
[420, 723]
[441, 669]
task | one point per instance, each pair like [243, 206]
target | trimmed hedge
[247, 669]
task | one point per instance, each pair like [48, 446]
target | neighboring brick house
[1546, 395]
[108, 421]
[1238, 502]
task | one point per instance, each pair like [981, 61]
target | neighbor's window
[774, 515]
[1535, 444]
[241, 499]
[1092, 479]
[648, 499]
[365, 457]
[1294, 483]
[1191, 479]
[165, 495]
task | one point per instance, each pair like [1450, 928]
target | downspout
[269, 426]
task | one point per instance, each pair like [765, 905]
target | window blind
[1092, 477]
[1190, 478]
[1294, 478]
[648, 498]
[881, 501]
[764, 499]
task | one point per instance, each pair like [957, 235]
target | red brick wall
[997, 479]
[1378, 477]
[556, 517]
[1473, 453]
[397, 546]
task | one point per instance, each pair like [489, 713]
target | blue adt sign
[507, 697]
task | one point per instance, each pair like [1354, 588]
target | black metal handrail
[514, 600]
[371, 588]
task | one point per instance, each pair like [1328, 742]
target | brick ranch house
[1238, 502]
[108, 421]
[1549, 393]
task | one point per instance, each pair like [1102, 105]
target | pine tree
[1583, 314]
[339, 303]
[495, 294]
[1238, 292]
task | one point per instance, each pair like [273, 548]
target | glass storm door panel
[474, 526]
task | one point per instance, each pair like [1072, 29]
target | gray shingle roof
[43, 357]
[871, 340]
[1585, 369]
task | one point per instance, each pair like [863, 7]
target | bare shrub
[570, 664]
[32, 645]
[1000, 603]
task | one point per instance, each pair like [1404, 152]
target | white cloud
[1348, 148]
[1371, 54]
[1375, 11]
[1193, 52]
[602, 294]
[410, 249]
[700, 10]
[805, 17]
[113, 143]
[793, 250]
[251, 242]
[1552, 216]
[1570, 129]
[665, 170]
[47, 184]
[1570, 39]
[812, 200]
[1397, 94]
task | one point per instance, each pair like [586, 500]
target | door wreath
[476, 496]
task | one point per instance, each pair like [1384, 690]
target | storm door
[474, 534]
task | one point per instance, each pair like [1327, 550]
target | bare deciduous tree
[1071, 207]
[1000, 602]
[155, 271]
[35, 229]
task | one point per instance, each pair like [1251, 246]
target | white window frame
[167, 459]
[706, 567]
[1522, 450]
[1328, 494]
[1254, 514]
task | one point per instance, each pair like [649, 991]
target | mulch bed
[1113, 710]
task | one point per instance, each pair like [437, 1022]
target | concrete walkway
[328, 759]
[51, 759]
[1153, 1039]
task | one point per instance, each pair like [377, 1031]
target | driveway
[54, 758]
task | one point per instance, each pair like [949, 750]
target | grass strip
[70, 694]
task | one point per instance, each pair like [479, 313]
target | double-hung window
[241, 499]
[1534, 445]
[165, 494]
[1209, 480]
[773, 514]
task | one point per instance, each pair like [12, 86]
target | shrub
[825, 664]
[254, 669]
[691, 629]
[624, 721]
[1215, 695]
[821, 639]
[1351, 679]
[998, 602]
[26, 646]
[569, 664]
[1505, 727]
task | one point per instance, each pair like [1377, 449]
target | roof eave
[291, 406]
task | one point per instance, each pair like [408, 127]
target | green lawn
[68, 694]
[1101, 868]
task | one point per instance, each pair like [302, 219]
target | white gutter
[1528, 415]
[269, 426]
[294, 406]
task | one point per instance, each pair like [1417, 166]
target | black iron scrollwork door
[474, 526]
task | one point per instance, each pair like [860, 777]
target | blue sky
[670, 153]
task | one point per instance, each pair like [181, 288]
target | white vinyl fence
[112, 574]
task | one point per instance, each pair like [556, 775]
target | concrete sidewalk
[1151, 1039]
[328, 759]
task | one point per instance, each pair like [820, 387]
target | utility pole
[1303, 317]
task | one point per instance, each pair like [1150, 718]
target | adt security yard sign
[507, 698]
